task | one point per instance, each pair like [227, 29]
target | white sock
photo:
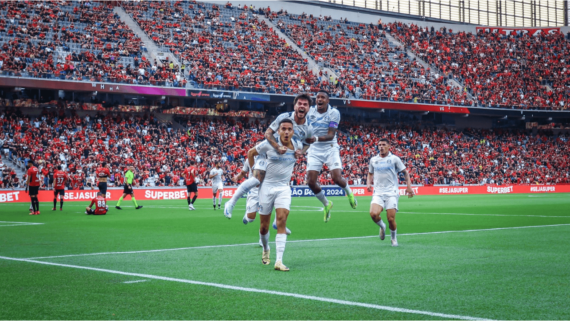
[347, 189]
[220, 198]
[393, 234]
[280, 240]
[214, 200]
[321, 196]
[243, 188]
[249, 220]
[265, 241]
[31, 207]
[382, 225]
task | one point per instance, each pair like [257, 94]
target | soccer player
[217, 184]
[191, 186]
[100, 203]
[128, 188]
[102, 174]
[276, 192]
[33, 185]
[60, 178]
[302, 131]
[325, 150]
[383, 172]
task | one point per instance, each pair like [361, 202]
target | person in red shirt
[100, 203]
[33, 185]
[60, 178]
[102, 174]
[191, 186]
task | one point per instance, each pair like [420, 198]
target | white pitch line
[23, 223]
[254, 290]
[292, 241]
[470, 214]
[137, 281]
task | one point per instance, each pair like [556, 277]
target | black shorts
[127, 189]
[102, 188]
[192, 188]
[51, 180]
[34, 190]
[61, 192]
[92, 212]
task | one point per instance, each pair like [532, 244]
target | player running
[302, 131]
[276, 192]
[100, 203]
[60, 178]
[217, 184]
[102, 174]
[128, 188]
[33, 185]
[191, 186]
[383, 172]
[325, 150]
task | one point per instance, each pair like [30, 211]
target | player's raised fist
[282, 149]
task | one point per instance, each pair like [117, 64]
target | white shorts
[252, 205]
[316, 159]
[216, 187]
[260, 163]
[274, 197]
[387, 202]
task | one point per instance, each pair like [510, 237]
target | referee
[128, 188]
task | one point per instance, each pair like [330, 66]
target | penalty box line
[254, 290]
[292, 241]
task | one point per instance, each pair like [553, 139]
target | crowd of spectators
[160, 151]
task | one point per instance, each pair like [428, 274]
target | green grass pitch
[460, 257]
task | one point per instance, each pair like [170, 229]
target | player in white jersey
[383, 172]
[217, 184]
[325, 150]
[302, 131]
[275, 191]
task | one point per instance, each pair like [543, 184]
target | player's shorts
[127, 189]
[260, 163]
[60, 192]
[92, 212]
[218, 186]
[102, 187]
[34, 190]
[331, 157]
[192, 188]
[274, 197]
[387, 202]
[252, 204]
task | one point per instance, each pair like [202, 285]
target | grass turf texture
[497, 274]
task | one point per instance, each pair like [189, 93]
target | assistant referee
[128, 188]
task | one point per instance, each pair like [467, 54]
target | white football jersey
[385, 172]
[321, 124]
[218, 178]
[279, 166]
[302, 132]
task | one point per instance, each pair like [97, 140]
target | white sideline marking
[469, 214]
[137, 281]
[9, 223]
[239, 288]
[294, 241]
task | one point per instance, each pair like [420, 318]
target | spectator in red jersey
[191, 186]
[100, 203]
[33, 185]
[60, 179]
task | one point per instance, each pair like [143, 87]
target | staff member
[128, 188]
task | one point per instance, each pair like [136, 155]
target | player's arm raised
[251, 156]
[269, 135]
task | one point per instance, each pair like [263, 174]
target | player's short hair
[99, 194]
[384, 140]
[58, 167]
[31, 163]
[322, 91]
[287, 120]
[192, 162]
[104, 164]
[303, 96]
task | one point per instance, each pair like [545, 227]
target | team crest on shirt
[389, 161]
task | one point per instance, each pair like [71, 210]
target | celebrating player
[102, 174]
[217, 184]
[128, 188]
[325, 150]
[383, 172]
[191, 186]
[60, 178]
[100, 203]
[302, 131]
[276, 192]
[33, 185]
